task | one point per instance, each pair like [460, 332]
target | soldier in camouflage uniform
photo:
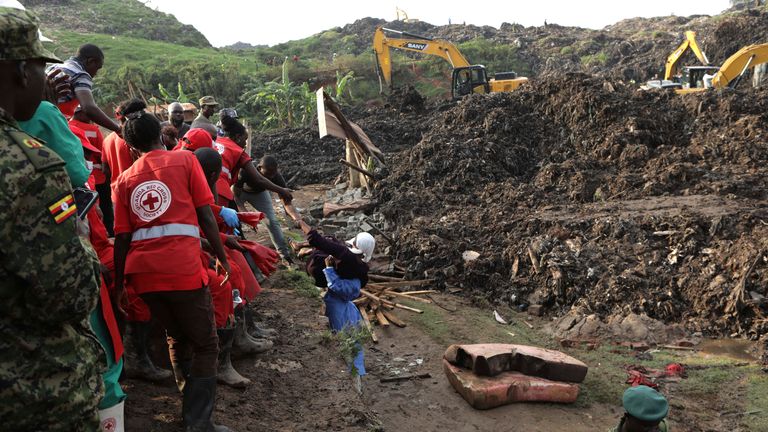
[50, 361]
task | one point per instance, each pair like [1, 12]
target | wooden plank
[405, 378]
[419, 292]
[383, 321]
[405, 296]
[358, 169]
[382, 278]
[402, 284]
[368, 324]
[394, 319]
[408, 308]
[376, 298]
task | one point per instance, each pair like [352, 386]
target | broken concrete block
[493, 359]
[483, 392]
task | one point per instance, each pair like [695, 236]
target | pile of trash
[581, 192]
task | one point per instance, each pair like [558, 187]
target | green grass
[599, 58]
[757, 399]
[296, 280]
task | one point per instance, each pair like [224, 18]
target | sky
[270, 22]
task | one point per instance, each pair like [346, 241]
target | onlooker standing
[260, 198]
[176, 114]
[50, 361]
[81, 70]
[207, 107]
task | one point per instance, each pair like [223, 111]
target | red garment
[251, 287]
[156, 201]
[68, 108]
[109, 319]
[251, 218]
[221, 295]
[233, 158]
[94, 136]
[103, 248]
[116, 153]
[195, 139]
[264, 257]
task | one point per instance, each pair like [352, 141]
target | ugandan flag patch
[63, 208]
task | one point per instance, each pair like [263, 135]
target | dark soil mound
[581, 192]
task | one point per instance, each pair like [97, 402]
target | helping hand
[230, 217]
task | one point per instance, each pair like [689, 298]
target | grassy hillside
[115, 17]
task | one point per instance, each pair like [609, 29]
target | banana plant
[282, 104]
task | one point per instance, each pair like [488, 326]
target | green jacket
[50, 361]
[49, 125]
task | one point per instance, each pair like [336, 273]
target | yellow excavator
[465, 79]
[700, 78]
[671, 68]
[672, 71]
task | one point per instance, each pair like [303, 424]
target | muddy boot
[227, 374]
[243, 342]
[254, 329]
[197, 405]
[137, 361]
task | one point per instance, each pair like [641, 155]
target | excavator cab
[698, 76]
[470, 79]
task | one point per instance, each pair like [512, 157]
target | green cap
[208, 100]
[645, 404]
[19, 37]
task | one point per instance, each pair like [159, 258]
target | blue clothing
[340, 310]
[49, 125]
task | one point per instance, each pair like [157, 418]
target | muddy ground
[302, 384]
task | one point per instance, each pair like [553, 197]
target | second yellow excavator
[701, 78]
[465, 79]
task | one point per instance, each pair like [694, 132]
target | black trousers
[189, 324]
[105, 204]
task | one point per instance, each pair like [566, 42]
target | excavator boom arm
[747, 57]
[671, 66]
[413, 43]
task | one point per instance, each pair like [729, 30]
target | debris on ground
[490, 375]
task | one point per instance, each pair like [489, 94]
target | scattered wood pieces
[382, 278]
[530, 326]
[394, 319]
[368, 324]
[381, 319]
[534, 260]
[405, 378]
[379, 299]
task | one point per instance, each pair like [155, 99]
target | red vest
[117, 155]
[156, 201]
[233, 157]
[94, 136]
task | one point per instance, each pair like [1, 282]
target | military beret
[645, 404]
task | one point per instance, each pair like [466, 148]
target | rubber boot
[226, 374]
[254, 329]
[197, 405]
[243, 342]
[137, 361]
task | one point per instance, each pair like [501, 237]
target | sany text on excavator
[465, 79]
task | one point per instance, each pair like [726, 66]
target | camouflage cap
[19, 37]
[208, 100]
